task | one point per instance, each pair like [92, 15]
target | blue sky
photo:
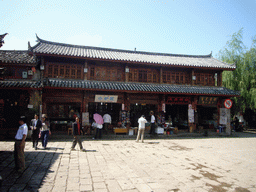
[192, 27]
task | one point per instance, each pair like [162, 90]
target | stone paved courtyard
[158, 165]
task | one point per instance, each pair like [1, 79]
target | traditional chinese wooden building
[73, 80]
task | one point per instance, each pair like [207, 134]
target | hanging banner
[106, 98]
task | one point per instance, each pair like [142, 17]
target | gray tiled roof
[20, 84]
[204, 61]
[120, 87]
[139, 87]
[16, 57]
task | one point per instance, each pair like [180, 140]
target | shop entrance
[136, 110]
[207, 116]
[113, 109]
[62, 115]
[177, 115]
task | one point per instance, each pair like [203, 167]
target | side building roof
[44, 47]
[12, 56]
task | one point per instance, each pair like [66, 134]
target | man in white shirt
[153, 121]
[107, 121]
[19, 145]
[142, 121]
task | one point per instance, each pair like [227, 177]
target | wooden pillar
[228, 127]
[194, 107]
[161, 102]
[85, 101]
[219, 79]
[126, 102]
[85, 70]
[218, 109]
[161, 75]
[44, 106]
[126, 72]
[192, 77]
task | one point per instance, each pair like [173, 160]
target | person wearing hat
[142, 121]
[19, 145]
[35, 125]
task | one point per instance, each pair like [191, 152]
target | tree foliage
[242, 79]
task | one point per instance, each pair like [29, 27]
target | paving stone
[210, 164]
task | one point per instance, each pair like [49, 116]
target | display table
[120, 130]
[159, 130]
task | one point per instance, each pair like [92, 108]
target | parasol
[98, 118]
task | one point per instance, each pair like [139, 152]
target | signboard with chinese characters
[178, 100]
[191, 116]
[85, 118]
[106, 98]
[223, 116]
[208, 100]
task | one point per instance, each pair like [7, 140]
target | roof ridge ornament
[38, 39]
[29, 46]
[1, 39]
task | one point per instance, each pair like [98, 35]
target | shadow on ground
[37, 168]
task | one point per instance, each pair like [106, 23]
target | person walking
[36, 125]
[142, 121]
[153, 121]
[107, 121]
[19, 145]
[77, 127]
[45, 131]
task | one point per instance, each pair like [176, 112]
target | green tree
[242, 79]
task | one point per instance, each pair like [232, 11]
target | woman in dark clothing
[236, 124]
[77, 128]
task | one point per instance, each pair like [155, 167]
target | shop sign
[178, 100]
[106, 98]
[208, 100]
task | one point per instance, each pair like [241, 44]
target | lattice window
[50, 70]
[79, 72]
[206, 79]
[55, 71]
[92, 72]
[64, 71]
[67, 71]
[130, 77]
[142, 76]
[175, 77]
[155, 77]
[73, 72]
